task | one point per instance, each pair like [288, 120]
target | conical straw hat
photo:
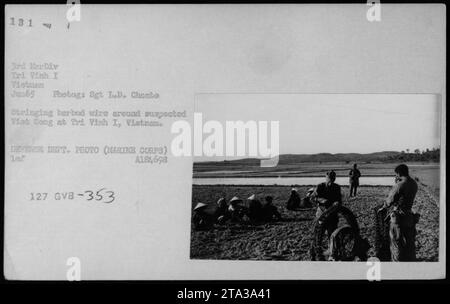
[200, 205]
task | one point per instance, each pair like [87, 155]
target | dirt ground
[290, 238]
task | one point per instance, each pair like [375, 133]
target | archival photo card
[323, 177]
[225, 142]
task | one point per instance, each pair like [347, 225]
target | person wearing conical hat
[221, 212]
[221, 206]
[201, 218]
[235, 200]
[269, 211]
[254, 209]
[308, 200]
[294, 200]
[235, 210]
[200, 206]
[221, 201]
[234, 203]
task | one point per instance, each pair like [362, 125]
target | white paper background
[179, 51]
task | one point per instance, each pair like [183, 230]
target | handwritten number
[100, 195]
[90, 196]
[111, 196]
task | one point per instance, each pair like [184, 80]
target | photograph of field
[290, 238]
[323, 140]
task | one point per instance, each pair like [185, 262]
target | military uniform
[402, 228]
[354, 176]
[327, 194]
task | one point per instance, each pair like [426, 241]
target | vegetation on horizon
[428, 155]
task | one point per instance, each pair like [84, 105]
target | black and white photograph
[357, 176]
[214, 143]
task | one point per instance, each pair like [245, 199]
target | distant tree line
[417, 155]
[428, 155]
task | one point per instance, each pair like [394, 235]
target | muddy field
[290, 238]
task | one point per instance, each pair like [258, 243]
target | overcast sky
[335, 123]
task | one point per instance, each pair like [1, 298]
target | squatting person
[294, 200]
[328, 194]
[201, 218]
[222, 210]
[236, 212]
[255, 212]
[402, 227]
[269, 211]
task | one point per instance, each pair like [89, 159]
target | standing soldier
[402, 230]
[354, 176]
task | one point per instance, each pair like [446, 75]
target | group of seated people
[253, 211]
[205, 216]
[295, 202]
